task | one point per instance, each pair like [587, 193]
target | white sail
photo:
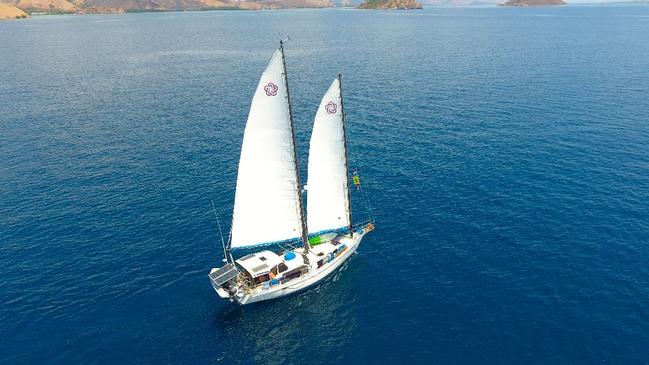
[327, 201]
[266, 203]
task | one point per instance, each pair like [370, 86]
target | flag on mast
[356, 180]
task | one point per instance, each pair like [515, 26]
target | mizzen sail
[328, 188]
[267, 204]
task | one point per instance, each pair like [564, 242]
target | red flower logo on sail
[271, 89]
[331, 108]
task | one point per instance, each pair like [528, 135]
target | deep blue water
[506, 153]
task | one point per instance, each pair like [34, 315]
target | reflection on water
[272, 332]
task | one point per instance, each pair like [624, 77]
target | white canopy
[294, 263]
[259, 263]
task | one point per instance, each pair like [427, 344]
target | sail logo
[331, 108]
[271, 89]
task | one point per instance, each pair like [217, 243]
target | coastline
[121, 11]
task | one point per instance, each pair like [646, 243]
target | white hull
[305, 281]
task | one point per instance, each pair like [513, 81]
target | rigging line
[229, 246]
[366, 199]
[218, 223]
[367, 202]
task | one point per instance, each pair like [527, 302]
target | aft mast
[349, 191]
[305, 239]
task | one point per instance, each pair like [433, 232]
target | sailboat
[268, 205]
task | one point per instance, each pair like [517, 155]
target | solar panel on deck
[224, 274]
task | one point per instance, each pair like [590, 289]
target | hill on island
[120, 6]
[49, 6]
[390, 4]
[11, 12]
[533, 3]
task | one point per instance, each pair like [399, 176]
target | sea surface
[505, 153]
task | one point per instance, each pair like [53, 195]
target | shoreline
[481, 6]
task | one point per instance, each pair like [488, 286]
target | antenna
[218, 223]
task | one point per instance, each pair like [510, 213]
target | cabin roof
[293, 263]
[259, 263]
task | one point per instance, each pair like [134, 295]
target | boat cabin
[268, 268]
[290, 267]
[257, 265]
[327, 251]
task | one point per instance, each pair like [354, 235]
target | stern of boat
[223, 281]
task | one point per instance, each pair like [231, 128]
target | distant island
[19, 9]
[8, 7]
[390, 4]
[533, 3]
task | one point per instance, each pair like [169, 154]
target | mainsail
[328, 199]
[267, 206]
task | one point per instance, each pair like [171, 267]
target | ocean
[504, 152]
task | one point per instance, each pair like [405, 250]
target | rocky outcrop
[11, 12]
[43, 6]
[390, 4]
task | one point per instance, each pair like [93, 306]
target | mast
[305, 239]
[349, 195]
